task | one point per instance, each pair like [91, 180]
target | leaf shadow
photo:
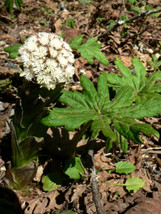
[58, 143]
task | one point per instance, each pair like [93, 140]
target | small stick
[151, 148]
[152, 152]
[149, 38]
[119, 23]
[95, 190]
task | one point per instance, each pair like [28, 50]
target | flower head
[47, 59]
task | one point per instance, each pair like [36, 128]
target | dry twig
[120, 23]
[95, 190]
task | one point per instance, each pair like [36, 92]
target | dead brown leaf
[78, 192]
[70, 33]
[145, 206]
[126, 60]
[51, 4]
[101, 161]
[114, 191]
[45, 203]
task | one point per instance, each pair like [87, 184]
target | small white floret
[53, 52]
[43, 38]
[62, 60]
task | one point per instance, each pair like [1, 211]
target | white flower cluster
[47, 59]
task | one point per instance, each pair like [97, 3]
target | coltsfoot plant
[95, 109]
[47, 59]
[47, 63]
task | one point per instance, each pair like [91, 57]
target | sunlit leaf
[124, 167]
[134, 184]
[144, 88]
[90, 50]
[51, 181]
[106, 115]
[13, 51]
[74, 168]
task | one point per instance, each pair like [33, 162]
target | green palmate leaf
[144, 88]
[74, 168]
[106, 115]
[67, 117]
[89, 50]
[103, 124]
[134, 184]
[124, 167]
[76, 42]
[131, 129]
[148, 108]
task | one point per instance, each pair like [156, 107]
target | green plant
[126, 17]
[89, 50]
[154, 15]
[5, 84]
[123, 167]
[9, 4]
[132, 183]
[155, 63]
[135, 9]
[27, 131]
[143, 88]
[95, 109]
[111, 24]
[70, 22]
[73, 169]
[49, 67]
[51, 181]
[13, 51]
[132, 1]
[47, 10]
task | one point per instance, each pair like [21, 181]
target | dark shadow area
[59, 142]
[9, 203]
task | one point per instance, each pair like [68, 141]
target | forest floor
[141, 38]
